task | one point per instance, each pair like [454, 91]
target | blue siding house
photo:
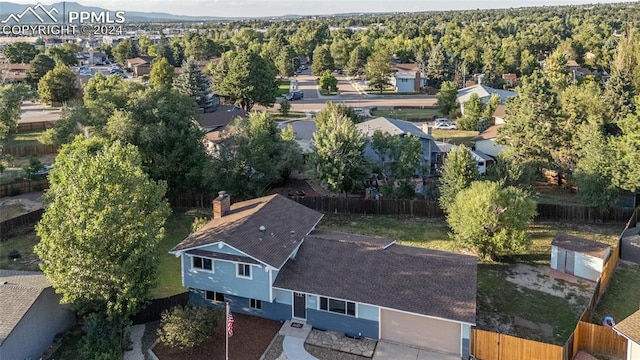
[264, 257]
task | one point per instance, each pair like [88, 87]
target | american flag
[230, 322]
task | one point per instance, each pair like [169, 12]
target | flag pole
[226, 331]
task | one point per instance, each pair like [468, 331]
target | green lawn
[283, 87]
[405, 114]
[622, 296]
[24, 244]
[25, 138]
[292, 115]
[457, 137]
[324, 92]
[177, 228]
[497, 297]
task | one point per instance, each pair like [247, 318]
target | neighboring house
[398, 128]
[484, 93]
[214, 123]
[573, 65]
[264, 257]
[13, 73]
[486, 141]
[407, 78]
[630, 329]
[510, 79]
[140, 65]
[31, 315]
[483, 160]
[579, 257]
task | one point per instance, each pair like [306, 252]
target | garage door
[420, 331]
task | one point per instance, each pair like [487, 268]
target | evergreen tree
[357, 61]
[379, 70]
[437, 68]
[192, 82]
[447, 98]
[322, 60]
[39, 66]
[460, 170]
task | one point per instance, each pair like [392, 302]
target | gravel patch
[328, 354]
[150, 335]
[274, 352]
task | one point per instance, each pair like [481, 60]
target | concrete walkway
[293, 344]
[137, 331]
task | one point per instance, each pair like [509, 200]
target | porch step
[298, 332]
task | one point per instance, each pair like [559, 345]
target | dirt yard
[13, 206]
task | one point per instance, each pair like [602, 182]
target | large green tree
[338, 153]
[532, 131]
[459, 171]
[399, 159]
[57, 85]
[162, 73]
[19, 52]
[39, 66]
[108, 216]
[11, 97]
[64, 54]
[447, 98]
[245, 78]
[491, 220]
[322, 60]
[192, 82]
[126, 49]
[437, 67]
[357, 61]
[379, 70]
[162, 124]
[254, 156]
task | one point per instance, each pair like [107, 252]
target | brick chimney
[221, 205]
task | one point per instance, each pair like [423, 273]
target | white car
[445, 124]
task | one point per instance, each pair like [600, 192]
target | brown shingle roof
[221, 117]
[15, 67]
[490, 133]
[286, 222]
[630, 327]
[18, 291]
[581, 245]
[416, 280]
[405, 67]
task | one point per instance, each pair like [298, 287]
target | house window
[338, 306]
[214, 296]
[256, 304]
[202, 263]
[244, 270]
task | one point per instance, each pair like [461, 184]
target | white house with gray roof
[484, 93]
[31, 315]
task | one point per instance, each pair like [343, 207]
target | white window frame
[238, 275]
[255, 303]
[194, 268]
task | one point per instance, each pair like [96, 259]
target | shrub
[186, 327]
[483, 124]
[198, 223]
[285, 107]
[101, 340]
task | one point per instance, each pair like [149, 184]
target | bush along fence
[154, 310]
[20, 224]
[592, 338]
[424, 208]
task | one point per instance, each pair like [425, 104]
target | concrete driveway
[390, 351]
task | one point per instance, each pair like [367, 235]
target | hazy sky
[233, 8]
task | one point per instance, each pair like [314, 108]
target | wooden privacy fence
[599, 340]
[422, 208]
[487, 345]
[22, 187]
[35, 126]
[154, 310]
[13, 226]
[28, 150]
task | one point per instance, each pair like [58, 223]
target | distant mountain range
[12, 13]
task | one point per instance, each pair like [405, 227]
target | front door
[299, 306]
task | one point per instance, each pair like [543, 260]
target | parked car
[303, 67]
[99, 63]
[295, 95]
[444, 124]
[46, 169]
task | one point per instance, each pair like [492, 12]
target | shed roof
[581, 245]
[18, 291]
